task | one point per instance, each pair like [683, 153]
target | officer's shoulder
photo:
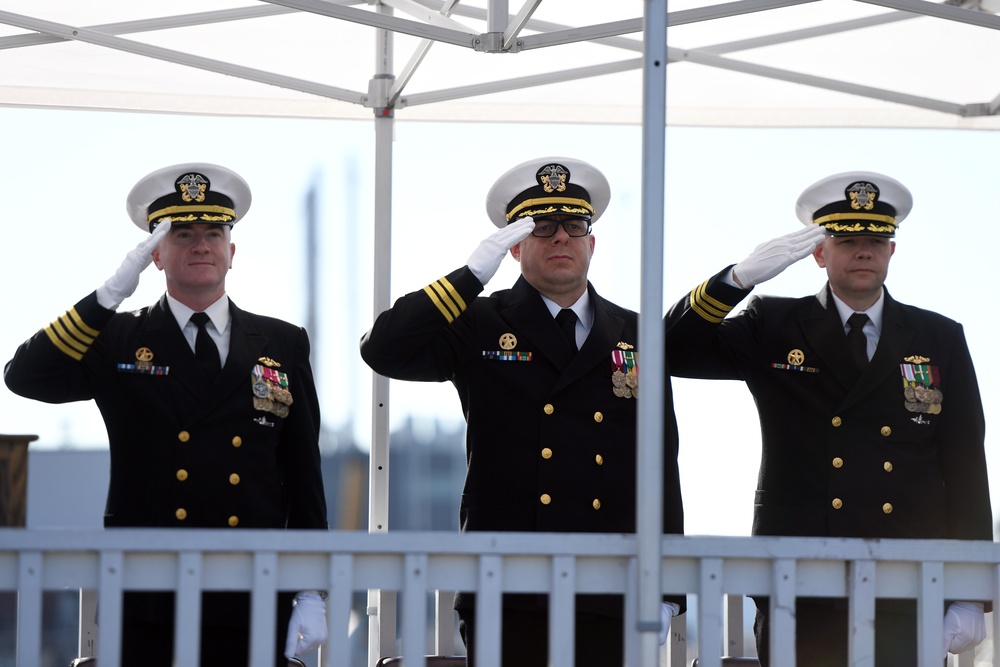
[774, 302]
[620, 311]
[273, 324]
[925, 317]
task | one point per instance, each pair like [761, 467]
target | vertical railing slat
[444, 622]
[414, 609]
[782, 612]
[340, 597]
[996, 615]
[488, 605]
[29, 606]
[733, 630]
[930, 606]
[710, 612]
[109, 607]
[187, 611]
[561, 611]
[87, 643]
[861, 613]
[263, 615]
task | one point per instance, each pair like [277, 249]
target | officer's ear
[818, 254]
[515, 251]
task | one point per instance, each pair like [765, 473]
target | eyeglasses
[548, 228]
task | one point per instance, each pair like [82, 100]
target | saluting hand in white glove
[485, 259]
[771, 258]
[307, 627]
[964, 627]
[120, 286]
[667, 611]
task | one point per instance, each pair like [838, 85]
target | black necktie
[205, 349]
[857, 340]
[566, 319]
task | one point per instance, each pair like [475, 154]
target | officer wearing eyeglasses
[548, 376]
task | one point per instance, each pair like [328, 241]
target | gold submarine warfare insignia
[269, 362]
[916, 359]
[624, 346]
[508, 341]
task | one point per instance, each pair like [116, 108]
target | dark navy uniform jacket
[549, 445]
[896, 453]
[186, 452]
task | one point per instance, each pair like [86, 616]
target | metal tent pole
[649, 487]
[381, 604]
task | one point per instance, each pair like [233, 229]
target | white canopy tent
[899, 63]
[892, 63]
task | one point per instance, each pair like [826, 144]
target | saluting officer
[211, 411]
[871, 420]
[551, 408]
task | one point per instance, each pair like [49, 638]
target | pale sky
[64, 177]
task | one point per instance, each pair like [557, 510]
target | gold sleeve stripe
[455, 296]
[71, 335]
[81, 325]
[708, 308]
[440, 306]
[65, 349]
[447, 299]
[68, 337]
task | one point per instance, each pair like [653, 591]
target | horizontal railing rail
[414, 565]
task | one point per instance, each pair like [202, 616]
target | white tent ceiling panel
[765, 62]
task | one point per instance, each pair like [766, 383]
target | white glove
[771, 258]
[120, 286]
[964, 627]
[667, 611]
[307, 627]
[485, 259]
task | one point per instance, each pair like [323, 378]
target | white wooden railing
[414, 565]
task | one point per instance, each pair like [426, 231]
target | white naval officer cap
[193, 192]
[855, 202]
[548, 186]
